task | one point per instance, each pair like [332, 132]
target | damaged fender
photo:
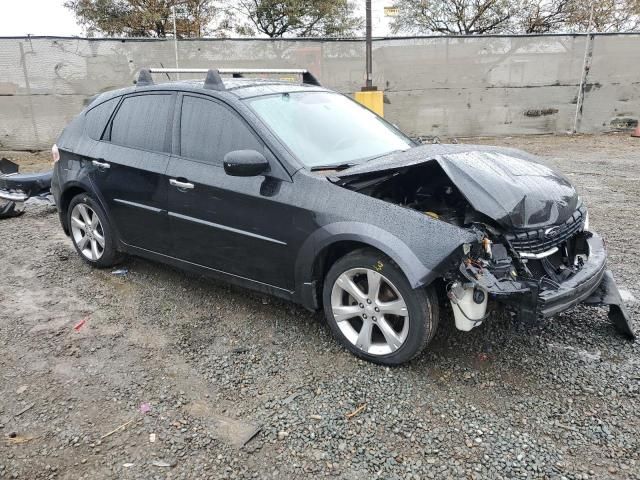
[419, 270]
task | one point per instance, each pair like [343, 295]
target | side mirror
[245, 163]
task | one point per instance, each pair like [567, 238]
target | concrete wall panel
[464, 86]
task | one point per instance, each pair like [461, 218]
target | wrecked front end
[536, 283]
[534, 253]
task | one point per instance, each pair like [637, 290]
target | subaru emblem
[551, 232]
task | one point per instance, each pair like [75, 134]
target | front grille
[535, 241]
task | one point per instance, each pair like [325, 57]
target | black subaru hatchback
[297, 191]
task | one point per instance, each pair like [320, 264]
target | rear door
[230, 224]
[128, 168]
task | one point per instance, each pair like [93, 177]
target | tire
[413, 326]
[98, 248]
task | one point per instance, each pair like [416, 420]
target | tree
[302, 18]
[608, 15]
[543, 16]
[453, 17]
[143, 18]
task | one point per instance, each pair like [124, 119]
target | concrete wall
[451, 86]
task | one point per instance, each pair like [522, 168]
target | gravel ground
[190, 369]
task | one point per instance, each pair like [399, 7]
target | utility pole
[369, 95]
[369, 82]
[585, 71]
[175, 38]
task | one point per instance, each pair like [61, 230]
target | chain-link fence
[447, 86]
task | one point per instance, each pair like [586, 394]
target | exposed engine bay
[535, 262]
[425, 188]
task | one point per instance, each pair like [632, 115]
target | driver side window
[209, 130]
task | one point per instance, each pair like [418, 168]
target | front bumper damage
[607, 294]
[17, 189]
[532, 300]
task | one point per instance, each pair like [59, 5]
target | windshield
[325, 128]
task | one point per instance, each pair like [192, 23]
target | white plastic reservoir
[464, 302]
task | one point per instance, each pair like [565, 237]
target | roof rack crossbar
[214, 81]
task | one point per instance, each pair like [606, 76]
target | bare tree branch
[468, 17]
[473, 17]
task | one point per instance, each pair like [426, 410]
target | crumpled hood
[510, 186]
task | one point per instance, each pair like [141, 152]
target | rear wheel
[373, 311]
[91, 232]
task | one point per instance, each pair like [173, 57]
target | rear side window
[208, 131]
[142, 122]
[97, 118]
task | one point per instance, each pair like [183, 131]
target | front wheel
[373, 311]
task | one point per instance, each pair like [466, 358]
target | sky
[36, 17]
[49, 17]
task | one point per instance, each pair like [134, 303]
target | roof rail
[213, 80]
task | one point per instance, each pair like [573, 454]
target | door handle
[181, 185]
[99, 164]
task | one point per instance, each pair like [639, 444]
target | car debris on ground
[18, 190]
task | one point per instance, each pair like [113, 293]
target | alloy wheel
[370, 311]
[87, 231]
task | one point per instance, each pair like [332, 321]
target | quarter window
[208, 131]
[98, 116]
[142, 122]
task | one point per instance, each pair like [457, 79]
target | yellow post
[372, 99]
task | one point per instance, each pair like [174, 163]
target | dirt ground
[29, 161]
[150, 372]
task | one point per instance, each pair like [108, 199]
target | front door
[236, 225]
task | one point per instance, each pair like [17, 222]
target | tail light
[55, 153]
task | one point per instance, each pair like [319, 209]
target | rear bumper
[28, 184]
[13, 195]
[16, 187]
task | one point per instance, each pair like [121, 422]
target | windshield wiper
[342, 166]
[335, 166]
[375, 157]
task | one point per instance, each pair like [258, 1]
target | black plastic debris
[16, 189]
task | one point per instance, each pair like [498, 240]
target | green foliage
[302, 18]
[143, 18]
[196, 18]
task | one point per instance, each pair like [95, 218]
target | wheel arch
[335, 240]
[65, 199]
